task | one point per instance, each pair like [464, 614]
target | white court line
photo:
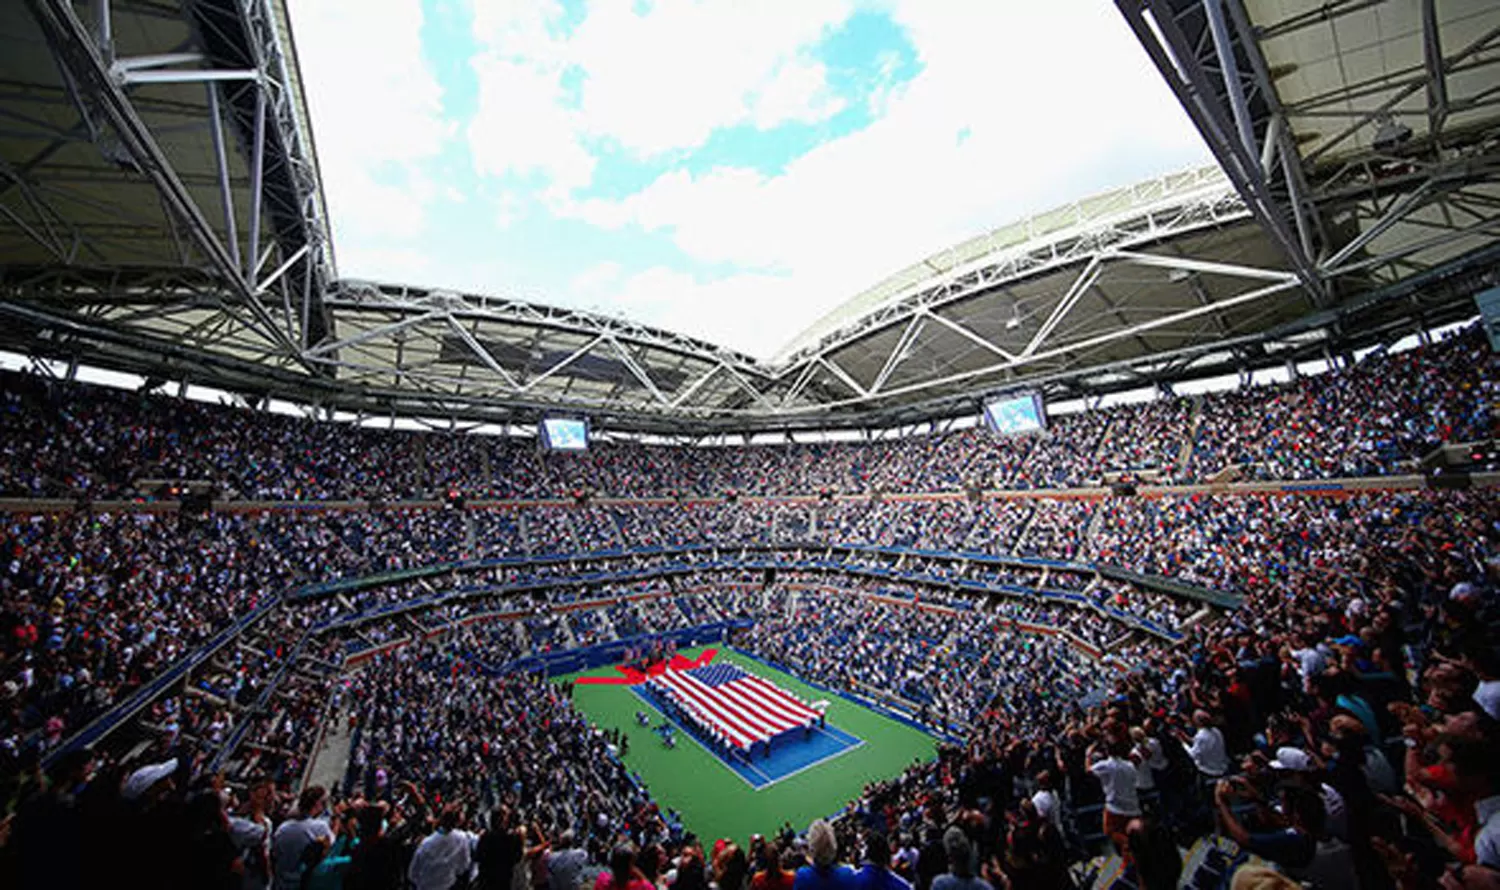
[708, 751]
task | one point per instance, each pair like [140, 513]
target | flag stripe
[724, 698]
[793, 701]
[784, 699]
[736, 733]
[734, 704]
[733, 696]
[772, 705]
[732, 724]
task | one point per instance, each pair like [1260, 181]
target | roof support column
[226, 192]
[1229, 69]
[1437, 75]
[257, 179]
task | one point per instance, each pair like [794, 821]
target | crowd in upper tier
[1371, 418]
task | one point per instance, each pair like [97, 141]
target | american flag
[734, 705]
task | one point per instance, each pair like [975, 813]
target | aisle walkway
[331, 760]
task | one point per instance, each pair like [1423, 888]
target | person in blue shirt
[825, 872]
[876, 873]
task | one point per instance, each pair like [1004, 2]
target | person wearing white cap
[1296, 760]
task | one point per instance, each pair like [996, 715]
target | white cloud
[1016, 108]
[592, 280]
[1053, 101]
[798, 91]
[377, 113]
[400, 265]
[522, 127]
[728, 310]
[653, 80]
[666, 77]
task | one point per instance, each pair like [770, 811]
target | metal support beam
[899, 353]
[963, 331]
[281, 270]
[1076, 290]
[843, 375]
[1229, 69]
[138, 78]
[1208, 266]
[257, 181]
[481, 353]
[221, 159]
[1437, 75]
[79, 58]
[638, 372]
[1176, 57]
[159, 60]
[330, 348]
[1398, 210]
[682, 397]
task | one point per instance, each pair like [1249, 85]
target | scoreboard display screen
[1012, 415]
[565, 434]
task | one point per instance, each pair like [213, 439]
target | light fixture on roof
[1390, 133]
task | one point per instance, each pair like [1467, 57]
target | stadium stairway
[1025, 529]
[608, 625]
[1185, 453]
[330, 757]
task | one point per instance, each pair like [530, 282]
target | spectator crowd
[1338, 725]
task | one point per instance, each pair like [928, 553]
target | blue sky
[725, 168]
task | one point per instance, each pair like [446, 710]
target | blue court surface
[788, 757]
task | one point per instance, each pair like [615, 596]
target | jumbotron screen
[565, 434]
[1011, 415]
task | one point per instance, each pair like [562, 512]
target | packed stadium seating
[1371, 418]
[1035, 629]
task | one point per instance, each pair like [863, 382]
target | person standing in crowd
[443, 858]
[250, 830]
[1117, 775]
[1207, 748]
[565, 863]
[960, 874]
[498, 852]
[875, 872]
[779, 869]
[377, 862]
[1048, 804]
[292, 838]
[622, 873]
[825, 872]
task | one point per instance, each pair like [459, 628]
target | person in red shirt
[622, 874]
[779, 869]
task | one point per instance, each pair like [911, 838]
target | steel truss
[1089, 245]
[267, 273]
[245, 297]
[1367, 203]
